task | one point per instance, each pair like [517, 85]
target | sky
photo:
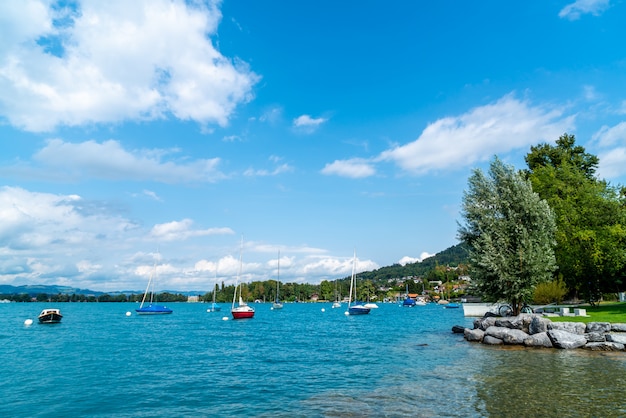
[211, 138]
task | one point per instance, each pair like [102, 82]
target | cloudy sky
[164, 131]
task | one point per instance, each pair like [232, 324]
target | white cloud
[612, 161]
[410, 260]
[573, 11]
[353, 168]
[116, 61]
[307, 124]
[608, 136]
[182, 230]
[475, 136]
[109, 160]
[282, 168]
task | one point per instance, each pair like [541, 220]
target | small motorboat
[50, 316]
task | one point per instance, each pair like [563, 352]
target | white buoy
[128, 314]
[208, 310]
[323, 310]
[346, 313]
[225, 318]
[28, 322]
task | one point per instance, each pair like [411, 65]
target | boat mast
[352, 284]
[278, 278]
[148, 288]
[238, 275]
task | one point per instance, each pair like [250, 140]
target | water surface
[306, 360]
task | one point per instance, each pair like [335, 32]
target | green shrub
[549, 292]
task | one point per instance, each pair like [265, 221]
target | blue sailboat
[358, 308]
[152, 308]
[408, 302]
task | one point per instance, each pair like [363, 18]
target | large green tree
[509, 230]
[590, 216]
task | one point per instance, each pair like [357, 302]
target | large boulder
[616, 338]
[511, 322]
[619, 327]
[539, 339]
[485, 322]
[538, 325]
[572, 327]
[595, 337]
[598, 327]
[458, 329]
[565, 339]
[604, 346]
[507, 335]
[475, 334]
[492, 340]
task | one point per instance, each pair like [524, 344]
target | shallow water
[298, 361]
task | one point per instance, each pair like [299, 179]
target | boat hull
[277, 305]
[153, 310]
[358, 310]
[50, 316]
[408, 303]
[242, 312]
[242, 315]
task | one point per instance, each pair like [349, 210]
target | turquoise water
[296, 362]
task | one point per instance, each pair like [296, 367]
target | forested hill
[453, 256]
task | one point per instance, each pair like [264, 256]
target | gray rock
[475, 334]
[492, 340]
[539, 339]
[604, 346]
[507, 335]
[618, 327]
[458, 329]
[565, 339]
[616, 338]
[572, 327]
[538, 325]
[484, 323]
[595, 337]
[511, 322]
[598, 327]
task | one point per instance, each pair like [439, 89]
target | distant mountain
[452, 256]
[36, 289]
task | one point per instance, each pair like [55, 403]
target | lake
[306, 360]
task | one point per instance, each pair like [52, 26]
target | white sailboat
[358, 308]
[277, 303]
[242, 310]
[214, 306]
[336, 303]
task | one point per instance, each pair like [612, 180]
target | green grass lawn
[612, 312]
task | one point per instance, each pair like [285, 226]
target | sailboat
[277, 303]
[242, 310]
[358, 308]
[214, 306]
[408, 301]
[336, 303]
[152, 308]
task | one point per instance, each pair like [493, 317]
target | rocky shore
[532, 330]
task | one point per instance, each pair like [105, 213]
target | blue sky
[135, 132]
